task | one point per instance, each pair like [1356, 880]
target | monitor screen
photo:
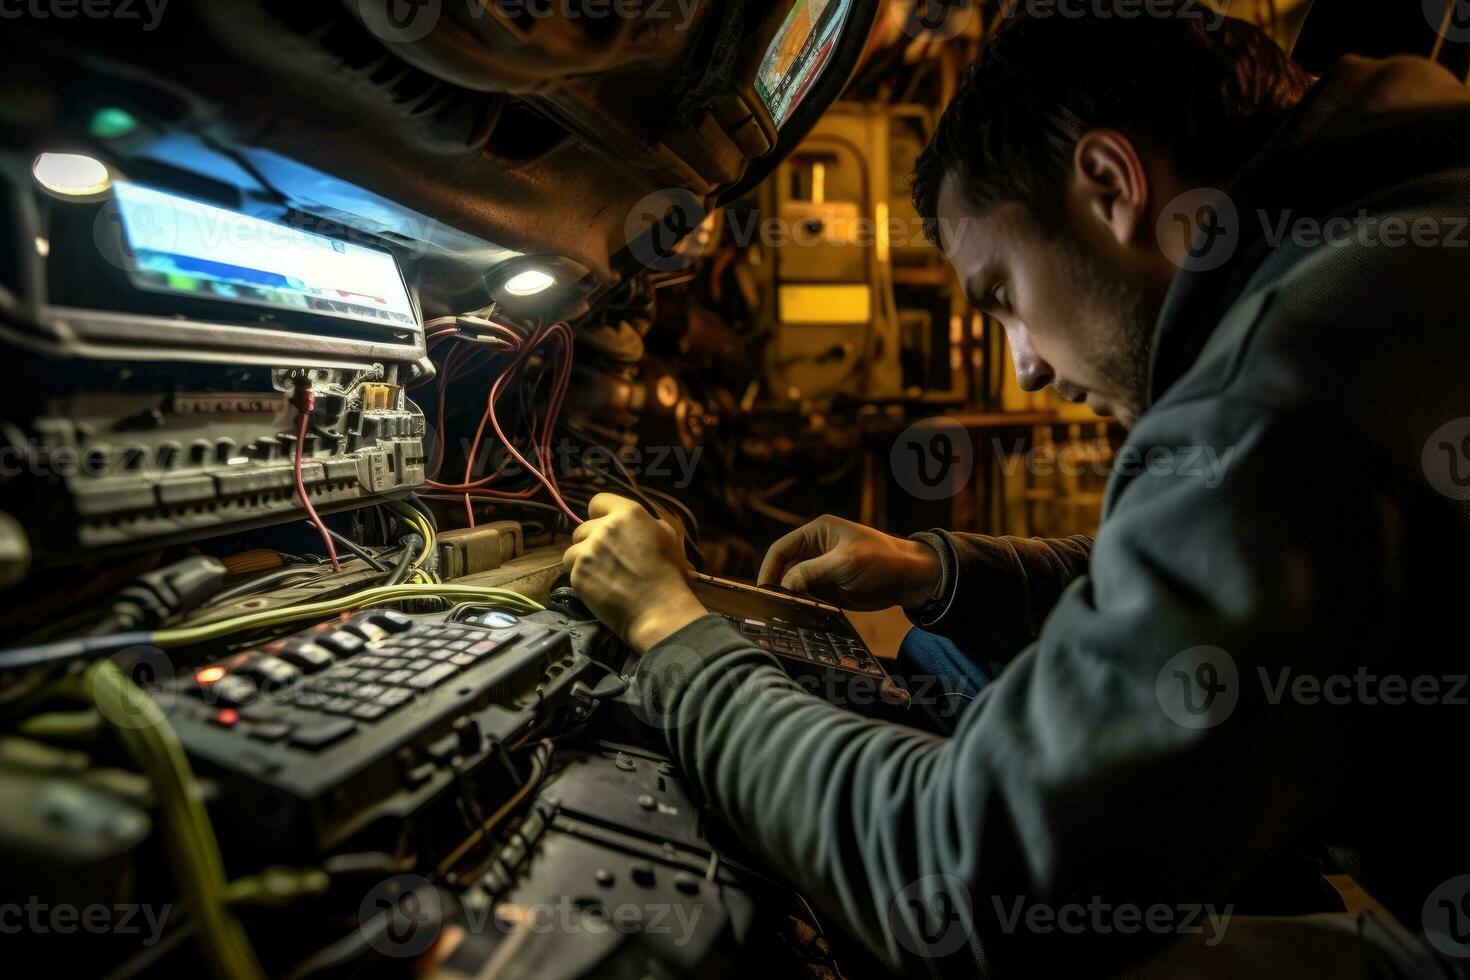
[795, 59]
[180, 246]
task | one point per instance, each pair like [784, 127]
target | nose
[1032, 373]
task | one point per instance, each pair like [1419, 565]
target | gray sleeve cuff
[938, 605]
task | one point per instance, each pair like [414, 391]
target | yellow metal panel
[846, 303]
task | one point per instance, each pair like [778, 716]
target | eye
[1000, 295]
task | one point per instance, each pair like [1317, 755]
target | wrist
[925, 575]
[662, 620]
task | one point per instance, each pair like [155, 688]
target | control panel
[319, 736]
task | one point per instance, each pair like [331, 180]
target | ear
[1110, 184]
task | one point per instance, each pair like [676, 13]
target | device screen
[177, 245]
[798, 54]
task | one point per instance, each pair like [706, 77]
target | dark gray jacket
[1263, 653]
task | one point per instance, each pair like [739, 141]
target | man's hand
[630, 570]
[852, 566]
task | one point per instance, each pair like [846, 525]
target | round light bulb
[529, 283]
[71, 174]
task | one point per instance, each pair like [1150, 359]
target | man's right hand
[852, 566]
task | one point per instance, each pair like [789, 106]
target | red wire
[306, 401]
[540, 441]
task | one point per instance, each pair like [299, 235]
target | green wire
[377, 596]
[425, 531]
[65, 726]
[274, 887]
[145, 733]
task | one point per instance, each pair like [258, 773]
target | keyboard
[807, 634]
[821, 648]
[316, 736]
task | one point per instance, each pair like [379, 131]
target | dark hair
[1205, 90]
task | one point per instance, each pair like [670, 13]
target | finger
[605, 504]
[570, 557]
[582, 531]
[819, 575]
[789, 548]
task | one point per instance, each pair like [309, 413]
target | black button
[308, 656]
[392, 622]
[263, 712]
[341, 642]
[270, 671]
[311, 698]
[230, 691]
[324, 734]
[271, 732]
[433, 676]
[340, 706]
[368, 712]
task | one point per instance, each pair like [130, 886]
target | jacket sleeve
[1140, 756]
[1000, 589]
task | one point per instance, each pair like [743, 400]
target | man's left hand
[629, 568]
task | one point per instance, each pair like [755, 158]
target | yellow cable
[421, 525]
[188, 836]
[377, 596]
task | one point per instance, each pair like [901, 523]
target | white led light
[71, 174]
[529, 283]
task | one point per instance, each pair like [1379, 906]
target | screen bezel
[134, 272]
[841, 16]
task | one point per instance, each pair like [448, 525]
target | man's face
[1075, 316]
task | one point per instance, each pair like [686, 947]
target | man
[1247, 660]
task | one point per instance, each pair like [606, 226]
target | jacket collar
[1366, 126]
